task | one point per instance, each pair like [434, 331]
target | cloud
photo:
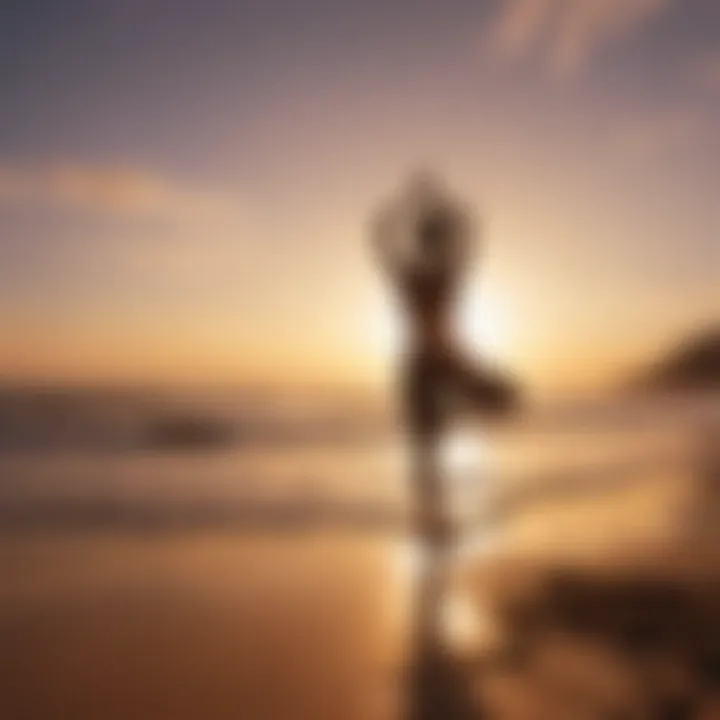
[106, 189]
[566, 34]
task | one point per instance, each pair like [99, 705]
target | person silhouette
[425, 243]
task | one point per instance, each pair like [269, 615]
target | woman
[425, 245]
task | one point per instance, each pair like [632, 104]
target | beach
[276, 583]
[209, 625]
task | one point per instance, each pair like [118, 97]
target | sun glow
[464, 451]
[485, 323]
[482, 322]
[461, 621]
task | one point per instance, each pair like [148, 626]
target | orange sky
[167, 215]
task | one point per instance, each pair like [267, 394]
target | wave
[41, 419]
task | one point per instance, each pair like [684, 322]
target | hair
[434, 229]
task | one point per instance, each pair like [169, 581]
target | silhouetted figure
[426, 247]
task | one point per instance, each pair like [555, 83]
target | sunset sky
[185, 186]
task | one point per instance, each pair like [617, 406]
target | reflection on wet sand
[184, 627]
[621, 626]
[628, 642]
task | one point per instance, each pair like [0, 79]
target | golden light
[482, 322]
[382, 329]
[462, 622]
[406, 558]
[485, 323]
[464, 450]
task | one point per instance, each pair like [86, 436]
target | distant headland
[692, 365]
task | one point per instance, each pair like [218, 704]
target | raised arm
[445, 238]
[466, 240]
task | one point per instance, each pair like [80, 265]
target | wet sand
[630, 634]
[211, 625]
[206, 626]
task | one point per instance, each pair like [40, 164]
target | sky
[185, 187]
